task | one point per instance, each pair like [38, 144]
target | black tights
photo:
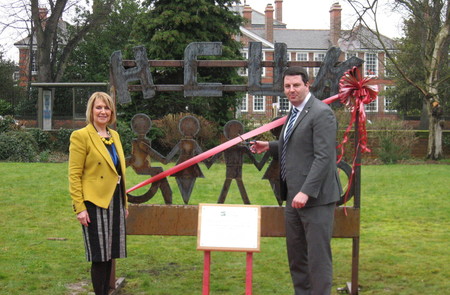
[100, 274]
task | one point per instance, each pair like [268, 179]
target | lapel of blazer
[119, 149]
[100, 146]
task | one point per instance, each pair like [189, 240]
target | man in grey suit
[306, 150]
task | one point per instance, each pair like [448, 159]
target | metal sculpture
[140, 160]
[182, 220]
[234, 158]
[187, 147]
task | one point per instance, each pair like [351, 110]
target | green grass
[405, 236]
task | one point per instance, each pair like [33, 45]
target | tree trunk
[424, 117]
[435, 134]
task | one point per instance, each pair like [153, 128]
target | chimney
[43, 13]
[269, 22]
[335, 23]
[279, 10]
[247, 16]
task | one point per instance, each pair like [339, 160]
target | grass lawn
[405, 237]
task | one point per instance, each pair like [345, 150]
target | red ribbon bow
[354, 93]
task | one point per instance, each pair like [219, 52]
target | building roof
[258, 18]
[358, 39]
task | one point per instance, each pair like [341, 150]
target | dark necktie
[289, 129]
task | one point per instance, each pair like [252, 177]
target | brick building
[309, 45]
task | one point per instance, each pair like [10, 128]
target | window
[318, 57]
[259, 103]
[372, 107]
[16, 76]
[302, 56]
[243, 106]
[263, 68]
[243, 71]
[388, 108]
[283, 102]
[371, 64]
[388, 68]
[288, 57]
[34, 67]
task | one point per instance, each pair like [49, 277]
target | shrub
[126, 135]
[395, 140]
[61, 141]
[7, 123]
[18, 146]
[5, 107]
[42, 138]
[207, 136]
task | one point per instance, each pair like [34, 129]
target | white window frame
[372, 107]
[244, 71]
[318, 56]
[243, 106]
[259, 100]
[371, 60]
[283, 102]
[33, 62]
[263, 68]
[297, 54]
[388, 101]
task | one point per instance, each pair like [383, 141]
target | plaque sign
[224, 227]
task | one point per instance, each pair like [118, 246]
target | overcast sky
[302, 14]
[297, 14]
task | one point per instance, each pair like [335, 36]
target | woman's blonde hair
[107, 100]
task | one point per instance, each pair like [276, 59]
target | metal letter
[191, 87]
[123, 76]
[255, 70]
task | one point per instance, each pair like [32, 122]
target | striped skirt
[105, 237]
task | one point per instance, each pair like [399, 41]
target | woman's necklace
[108, 141]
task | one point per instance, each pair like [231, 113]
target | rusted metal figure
[234, 158]
[140, 159]
[187, 147]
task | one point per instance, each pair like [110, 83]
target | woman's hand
[83, 218]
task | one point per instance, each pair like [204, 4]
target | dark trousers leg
[308, 237]
[100, 275]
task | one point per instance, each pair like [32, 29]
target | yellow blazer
[92, 175]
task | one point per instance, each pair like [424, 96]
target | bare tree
[434, 16]
[52, 59]
[53, 38]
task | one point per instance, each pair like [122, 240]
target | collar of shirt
[302, 105]
[300, 108]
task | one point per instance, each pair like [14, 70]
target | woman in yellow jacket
[97, 188]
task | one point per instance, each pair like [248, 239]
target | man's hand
[259, 147]
[300, 200]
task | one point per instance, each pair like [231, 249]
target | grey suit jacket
[311, 155]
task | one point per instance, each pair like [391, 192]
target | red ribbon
[354, 93]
